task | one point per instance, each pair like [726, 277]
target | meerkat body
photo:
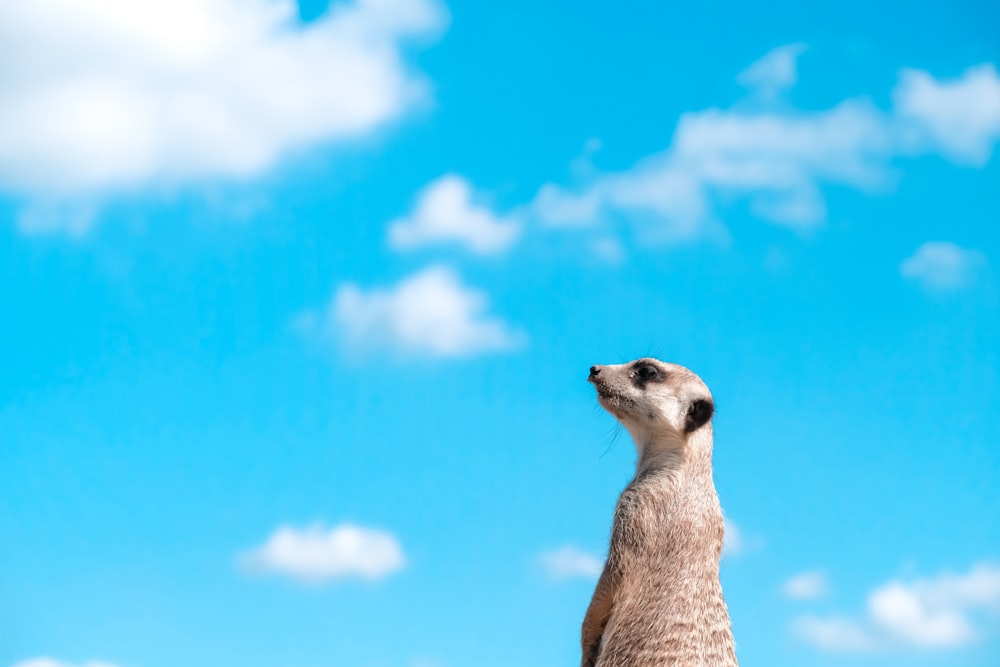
[659, 600]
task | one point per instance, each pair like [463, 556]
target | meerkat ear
[698, 415]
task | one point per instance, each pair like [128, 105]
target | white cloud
[942, 266]
[773, 73]
[806, 586]
[960, 118]
[609, 250]
[428, 313]
[445, 212]
[102, 96]
[49, 662]
[318, 554]
[834, 634]
[46, 217]
[736, 542]
[778, 159]
[558, 207]
[927, 613]
[906, 615]
[568, 561]
[732, 543]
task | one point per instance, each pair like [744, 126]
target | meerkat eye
[647, 372]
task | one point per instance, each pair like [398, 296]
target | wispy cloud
[806, 586]
[732, 544]
[316, 553]
[110, 95]
[941, 266]
[773, 73]
[939, 612]
[568, 562]
[736, 542]
[608, 250]
[778, 159]
[429, 313]
[834, 633]
[446, 213]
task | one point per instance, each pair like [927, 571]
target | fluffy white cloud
[942, 266]
[568, 561]
[806, 586]
[428, 313]
[906, 615]
[929, 613]
[773, 73]
[316, 553]
[445, 212]
[107, 95]
[49, 662]
[959, 118]
[778, 159]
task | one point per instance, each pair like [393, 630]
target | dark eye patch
[646, 372]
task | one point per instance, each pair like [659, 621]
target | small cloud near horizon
[941, 266]
[736, 542]
[806, 586]
[317, 554]
[430, 313]
[569, 562]
[445, 212]
[940, 612]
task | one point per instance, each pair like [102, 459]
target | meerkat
[659, 601]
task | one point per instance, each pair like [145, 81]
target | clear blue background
[160, 413]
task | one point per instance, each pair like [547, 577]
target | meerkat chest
[661, 524]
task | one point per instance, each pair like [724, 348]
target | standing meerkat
[659, 600]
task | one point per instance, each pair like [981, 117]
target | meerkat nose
[594, 371]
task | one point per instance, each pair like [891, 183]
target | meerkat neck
[666, 461]
[668, 452]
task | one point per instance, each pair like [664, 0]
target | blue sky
[299, 301]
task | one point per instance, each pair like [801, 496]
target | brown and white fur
[659, 601]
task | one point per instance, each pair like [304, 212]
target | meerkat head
[655, 401]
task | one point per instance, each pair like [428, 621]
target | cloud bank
[104, 96]
[777, 159]
[938, 612]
